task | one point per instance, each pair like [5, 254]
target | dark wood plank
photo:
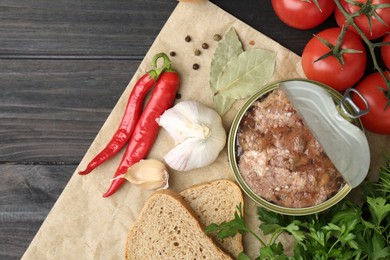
[80, 28]
[27, 193]
[261, 16]
[116, 28]
[51, 110]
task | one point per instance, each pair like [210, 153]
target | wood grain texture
[27, 193]
[63, 66]
[51, 110]
[80, 28]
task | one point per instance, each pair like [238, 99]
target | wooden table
[63, 66]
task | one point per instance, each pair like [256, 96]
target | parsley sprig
[349, 230]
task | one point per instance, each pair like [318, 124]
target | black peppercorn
[217, 37]
[172, 53]
[205, 46]
[197, 52]
[195, 66]
[187, 38]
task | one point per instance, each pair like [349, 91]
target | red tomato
[378, 28]
[303, 14]
[385, 52]
[378, 119]
[329, 70]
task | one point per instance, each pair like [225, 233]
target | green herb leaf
[270, 217]
[273, 251]
[245, 74]
[332, 227]
[269, 228]
[272, 221]
[336, 253]
[243, 256]
[318, 236]
[229, 47]
[379, 209]
[368, 224]
[347, 238]
[353, 244]
[377, 247]
[293, 229]
[300, 252]
[383, 185]
[346, 231]
[345, 213]
[230, 228]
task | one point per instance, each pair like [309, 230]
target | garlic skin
[149, 174]
[198, 133]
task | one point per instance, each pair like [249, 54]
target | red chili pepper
[129, 120]
[147, 128]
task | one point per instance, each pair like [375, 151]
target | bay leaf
[222, 104]
[229, 47]
[245, 74]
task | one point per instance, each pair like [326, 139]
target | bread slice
[216, 202]
[167, 229]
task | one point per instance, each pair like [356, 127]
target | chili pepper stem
[155, 73]
[167, 66]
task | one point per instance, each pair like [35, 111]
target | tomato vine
[368, 10]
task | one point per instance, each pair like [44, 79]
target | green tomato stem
[371, 46]
[344, 29]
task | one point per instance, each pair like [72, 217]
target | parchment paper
[84, 225]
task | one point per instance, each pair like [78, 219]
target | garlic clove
[185, 156]
[153, 185]
[148, 174]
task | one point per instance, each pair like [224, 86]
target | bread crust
[171, 199]
[232, 245]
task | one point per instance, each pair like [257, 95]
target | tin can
[233, 160]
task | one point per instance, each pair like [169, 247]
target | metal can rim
[233, 163]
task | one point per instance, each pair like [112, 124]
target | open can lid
[345, 144]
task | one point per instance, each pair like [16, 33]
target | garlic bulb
[148, 174]
[198, 134]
